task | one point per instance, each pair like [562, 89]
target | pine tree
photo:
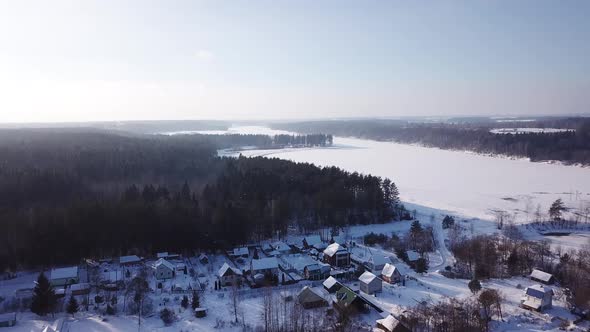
[416, 227]
[556, 209]
[73, 306]
[195, 302]
[43, 296]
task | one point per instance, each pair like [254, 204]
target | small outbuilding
[542, 277]
[8, 319]
[240, 252]
[200, 312]
[391, 324]
[64, 276]
[369, 283]
[312, 241]
[538, 298]
[317, 271]
[391, 274]
[308, 298]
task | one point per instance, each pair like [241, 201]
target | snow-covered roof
[540, 275]
[203, 256]
[265, 263]
[79, 287]
[308, 295]
[129, 259]
[225, 268]
[331, 281]
[64, 273]
[538, 291]
[389, 322]
[164, 262]
[332, 249]
[389, 270]
[412, 255]
[378, 259]
[162, 254]
[367, 277]
[48, 329]
[240, 251]
[281, 246]
[312, 240]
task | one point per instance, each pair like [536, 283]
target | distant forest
[265, 141]
[568, 147]
[67, 194]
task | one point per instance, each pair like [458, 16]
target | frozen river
[460, 182]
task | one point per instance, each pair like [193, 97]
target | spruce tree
[43, 296]
[73, 306]
[184, 302]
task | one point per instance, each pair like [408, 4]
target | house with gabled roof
[312, 241]
[348, 301]
[538, 298]
[268, 266]
[164, 269]
[391, 324]
[391, 274]
[309, 298]
[336, 255]
[130, 260]
[331, 285]
[229, 275]
[542, 277]
[64, 276]
[370, 283]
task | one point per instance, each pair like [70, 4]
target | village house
[542, 277]
[268, 267]
[229, 275]
[80, 289]
[312, 241]
[163, 269]
[130, 260]
[309, 298]
[240, 252]
[64, 276]
[317, 271]
[336, 255]
[167, 255]
[376, 263]
[391, 324]
[391, 274]
[348, 301]
[538, 298]
[332, 285]
[203, 259]
[281, 247]
[369, 283]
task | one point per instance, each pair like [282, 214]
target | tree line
[568, 147]
[71, 194]
[224, 141]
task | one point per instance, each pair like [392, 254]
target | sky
[148, 60]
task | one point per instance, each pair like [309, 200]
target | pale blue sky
[120, 60]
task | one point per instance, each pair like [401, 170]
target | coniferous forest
[67, 194]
